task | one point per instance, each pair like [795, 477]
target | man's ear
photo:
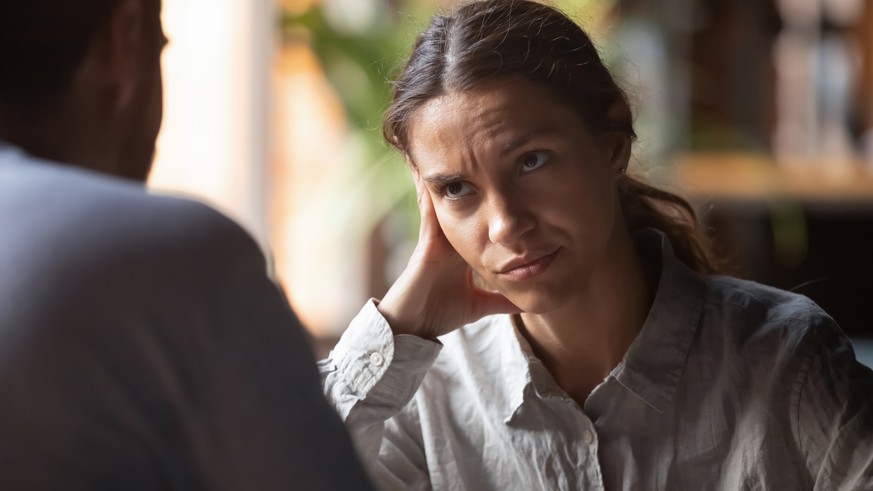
[116, 55]
[127, 32]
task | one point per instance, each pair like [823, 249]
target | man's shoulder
[53, 214]
[64, 199]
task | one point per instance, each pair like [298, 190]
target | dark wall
[823, 251]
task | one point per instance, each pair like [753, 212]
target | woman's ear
[617, 139]
[618, 150]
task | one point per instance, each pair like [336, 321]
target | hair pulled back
[490, 39]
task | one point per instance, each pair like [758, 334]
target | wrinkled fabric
[729, 385]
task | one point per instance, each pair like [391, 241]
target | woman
[559, 325]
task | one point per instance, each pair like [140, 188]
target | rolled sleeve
[375, 364]
[370, 377]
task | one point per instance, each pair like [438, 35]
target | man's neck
[59, 139]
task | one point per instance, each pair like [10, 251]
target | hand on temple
[436, 293]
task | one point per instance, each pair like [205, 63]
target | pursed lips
[526, 260]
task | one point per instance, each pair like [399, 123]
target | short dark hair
[42, 42]
[491, 39]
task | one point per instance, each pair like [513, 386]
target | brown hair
[488, 39]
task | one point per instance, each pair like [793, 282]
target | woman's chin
[537, 302]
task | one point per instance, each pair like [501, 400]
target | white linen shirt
[729, 385]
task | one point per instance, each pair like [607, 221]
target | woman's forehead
[495, 113]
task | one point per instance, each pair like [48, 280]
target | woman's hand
[435, 294]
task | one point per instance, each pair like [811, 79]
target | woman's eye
[533, 161]
[455, 190]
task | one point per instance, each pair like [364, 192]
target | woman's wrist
[399, 323]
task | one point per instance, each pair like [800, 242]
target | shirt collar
[516, 356]
[656, 359]
[524, 373]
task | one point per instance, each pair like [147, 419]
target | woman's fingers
[430, 234]
[437, 292]
[432, 243]
[416, 179]
[425, 204]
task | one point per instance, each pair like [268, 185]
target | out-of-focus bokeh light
[215, 134]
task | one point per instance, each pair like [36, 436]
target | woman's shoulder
[757, 319]
[757, 304]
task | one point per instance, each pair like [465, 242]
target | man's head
[81, 81]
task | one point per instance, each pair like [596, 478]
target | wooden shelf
[736, 176]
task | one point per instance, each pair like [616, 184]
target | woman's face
[523, 191]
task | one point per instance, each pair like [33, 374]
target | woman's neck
[581, 343]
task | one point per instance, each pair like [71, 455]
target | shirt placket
[581, 426]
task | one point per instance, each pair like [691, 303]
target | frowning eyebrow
[526, 138]
[442, 179]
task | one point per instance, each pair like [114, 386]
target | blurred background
[759, 112]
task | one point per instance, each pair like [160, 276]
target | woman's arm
[378, 365]
[370, 378]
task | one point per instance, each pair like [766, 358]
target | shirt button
[588, 437]
[376, 359]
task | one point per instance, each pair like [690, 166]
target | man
[142, 345]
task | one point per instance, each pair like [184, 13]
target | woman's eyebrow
[524, 139]
[442, 178]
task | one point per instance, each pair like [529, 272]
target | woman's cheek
[463, 234]
[455, 236]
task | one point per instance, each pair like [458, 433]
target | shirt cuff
[374, 361]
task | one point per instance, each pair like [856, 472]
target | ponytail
[647, 206]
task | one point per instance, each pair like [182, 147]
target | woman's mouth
[528, 266]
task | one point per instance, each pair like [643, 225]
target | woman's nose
[509, 220]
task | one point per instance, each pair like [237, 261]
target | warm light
[263, 142]
[315, 257]
[214, 139]
[296, 6]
